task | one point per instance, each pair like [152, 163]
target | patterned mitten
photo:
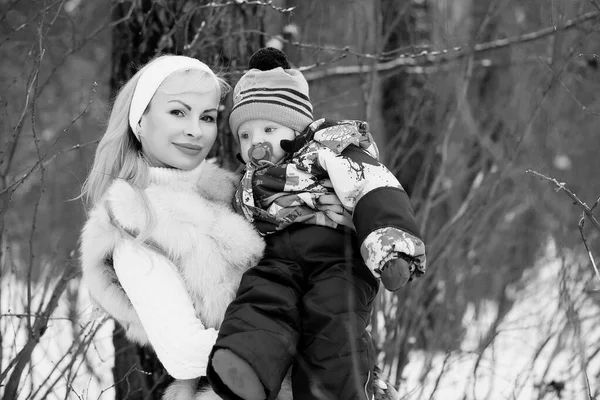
[395, 273]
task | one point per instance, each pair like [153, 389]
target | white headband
[156, 72]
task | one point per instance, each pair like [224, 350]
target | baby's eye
[208, 118]
[177, 113]
[244, 135]
[269, 129]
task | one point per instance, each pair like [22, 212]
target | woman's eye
[177, 113]
[209, 119]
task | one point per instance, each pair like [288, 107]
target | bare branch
[587, 248]
[42, 12]
[38, 330]
[268, 3]
[574, 319]
[83, 42]
[13, 141]
[405, 62]
[40, 163]
[562, 186]
[583, 106]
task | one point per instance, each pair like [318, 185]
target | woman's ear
[138, 128]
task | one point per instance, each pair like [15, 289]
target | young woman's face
[180, 125]
[257, 131]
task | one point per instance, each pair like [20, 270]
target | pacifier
[260, 154]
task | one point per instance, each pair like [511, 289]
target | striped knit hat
[271, 90]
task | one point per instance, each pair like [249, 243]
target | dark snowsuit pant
[307, 302]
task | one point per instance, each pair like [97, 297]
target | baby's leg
[237, 375]
[258, 337]
[335, 356]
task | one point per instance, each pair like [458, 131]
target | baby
[335, 222]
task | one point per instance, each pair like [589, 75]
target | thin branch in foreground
[587, 212]
[23, 358]
[562, 186]
[587, 248]
[574, 319]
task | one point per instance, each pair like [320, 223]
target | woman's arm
[160, 298]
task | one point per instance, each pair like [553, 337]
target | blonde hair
[119, 155]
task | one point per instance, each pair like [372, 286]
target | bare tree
[463, 97]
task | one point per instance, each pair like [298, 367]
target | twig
[42, 190]
[418, 63]
[595, 204]
[23, 315]
[69, 149]
[43, 11]
[587, 248]
[125, 377]
[268, 3]
[448, 55]
[574, 319]
[40, 163]
[461, 103]
[76, 349]
[39, 328]
[13, 141]
[83, 42]
[562, 186]
[570, 92]
[438, 378]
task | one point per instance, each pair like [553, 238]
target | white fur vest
[195, 227]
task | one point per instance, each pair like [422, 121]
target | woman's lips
[188, 148]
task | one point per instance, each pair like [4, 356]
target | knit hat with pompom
[273, 91]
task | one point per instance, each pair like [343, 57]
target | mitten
[395, 273]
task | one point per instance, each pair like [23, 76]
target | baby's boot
[237, 375]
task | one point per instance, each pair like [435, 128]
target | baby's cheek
[278, 153]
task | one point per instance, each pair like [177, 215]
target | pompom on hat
[271, 90]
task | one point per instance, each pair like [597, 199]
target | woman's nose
[193, 130]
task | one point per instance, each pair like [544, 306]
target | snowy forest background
[487, 110]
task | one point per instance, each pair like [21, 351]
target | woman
[162, 250]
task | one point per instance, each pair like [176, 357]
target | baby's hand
[395, 273]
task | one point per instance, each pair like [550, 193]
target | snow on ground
[532, 346]
[58, 360]
[532, 349]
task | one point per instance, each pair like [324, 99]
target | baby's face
[257, 131]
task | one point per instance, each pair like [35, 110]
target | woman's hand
[330, 205]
